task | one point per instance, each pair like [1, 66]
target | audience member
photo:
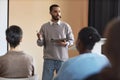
[112, 50]
[15, 63]
[87, 63]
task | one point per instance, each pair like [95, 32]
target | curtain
[101, 12]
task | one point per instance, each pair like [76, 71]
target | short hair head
[52, 6]
[88, 36]
[14, 35]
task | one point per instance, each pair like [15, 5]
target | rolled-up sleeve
[40, 42]
[70, 36]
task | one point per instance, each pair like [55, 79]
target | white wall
[3, 26]
[98, 46]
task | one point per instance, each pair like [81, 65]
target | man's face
[55, 13]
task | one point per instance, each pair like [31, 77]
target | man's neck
[54, 20]
[14, 49]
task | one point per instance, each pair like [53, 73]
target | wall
[31, 14]
[3, 25]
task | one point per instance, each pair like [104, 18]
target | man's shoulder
[26, 54]
[63, 22]
[45, 25]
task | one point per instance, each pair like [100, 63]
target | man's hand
[39, 36]
[62, 43]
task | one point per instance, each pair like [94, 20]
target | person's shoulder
[47, 23]
[74, 60]
[94, 57]
[99, 56]
[64, 23]
[6, 55]
[26, 55]
[101, 59]
[2, 57]
[79, 57]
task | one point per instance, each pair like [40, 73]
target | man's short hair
[54, 5]
[14, 35]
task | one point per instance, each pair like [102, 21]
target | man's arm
[40, 41]
[69, 37]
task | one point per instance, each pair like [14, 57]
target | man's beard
[56, 17]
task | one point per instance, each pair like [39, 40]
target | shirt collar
[53, 22]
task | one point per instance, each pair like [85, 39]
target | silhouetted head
[112, 44]
[14, 35]
[87, 37]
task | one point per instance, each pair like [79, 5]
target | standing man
[55, 36]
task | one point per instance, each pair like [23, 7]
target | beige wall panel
[31, 14]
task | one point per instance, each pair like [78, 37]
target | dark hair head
[112, 44]
[54, 5]
[89, 36]
[13, 35]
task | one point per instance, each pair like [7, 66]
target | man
[55, 36]
[15, 63]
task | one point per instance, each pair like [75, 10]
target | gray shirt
[52, 31]
[16, 64]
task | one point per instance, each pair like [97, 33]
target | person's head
[112, 44]
[55, 12]
[87, 37]
[14, 35]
